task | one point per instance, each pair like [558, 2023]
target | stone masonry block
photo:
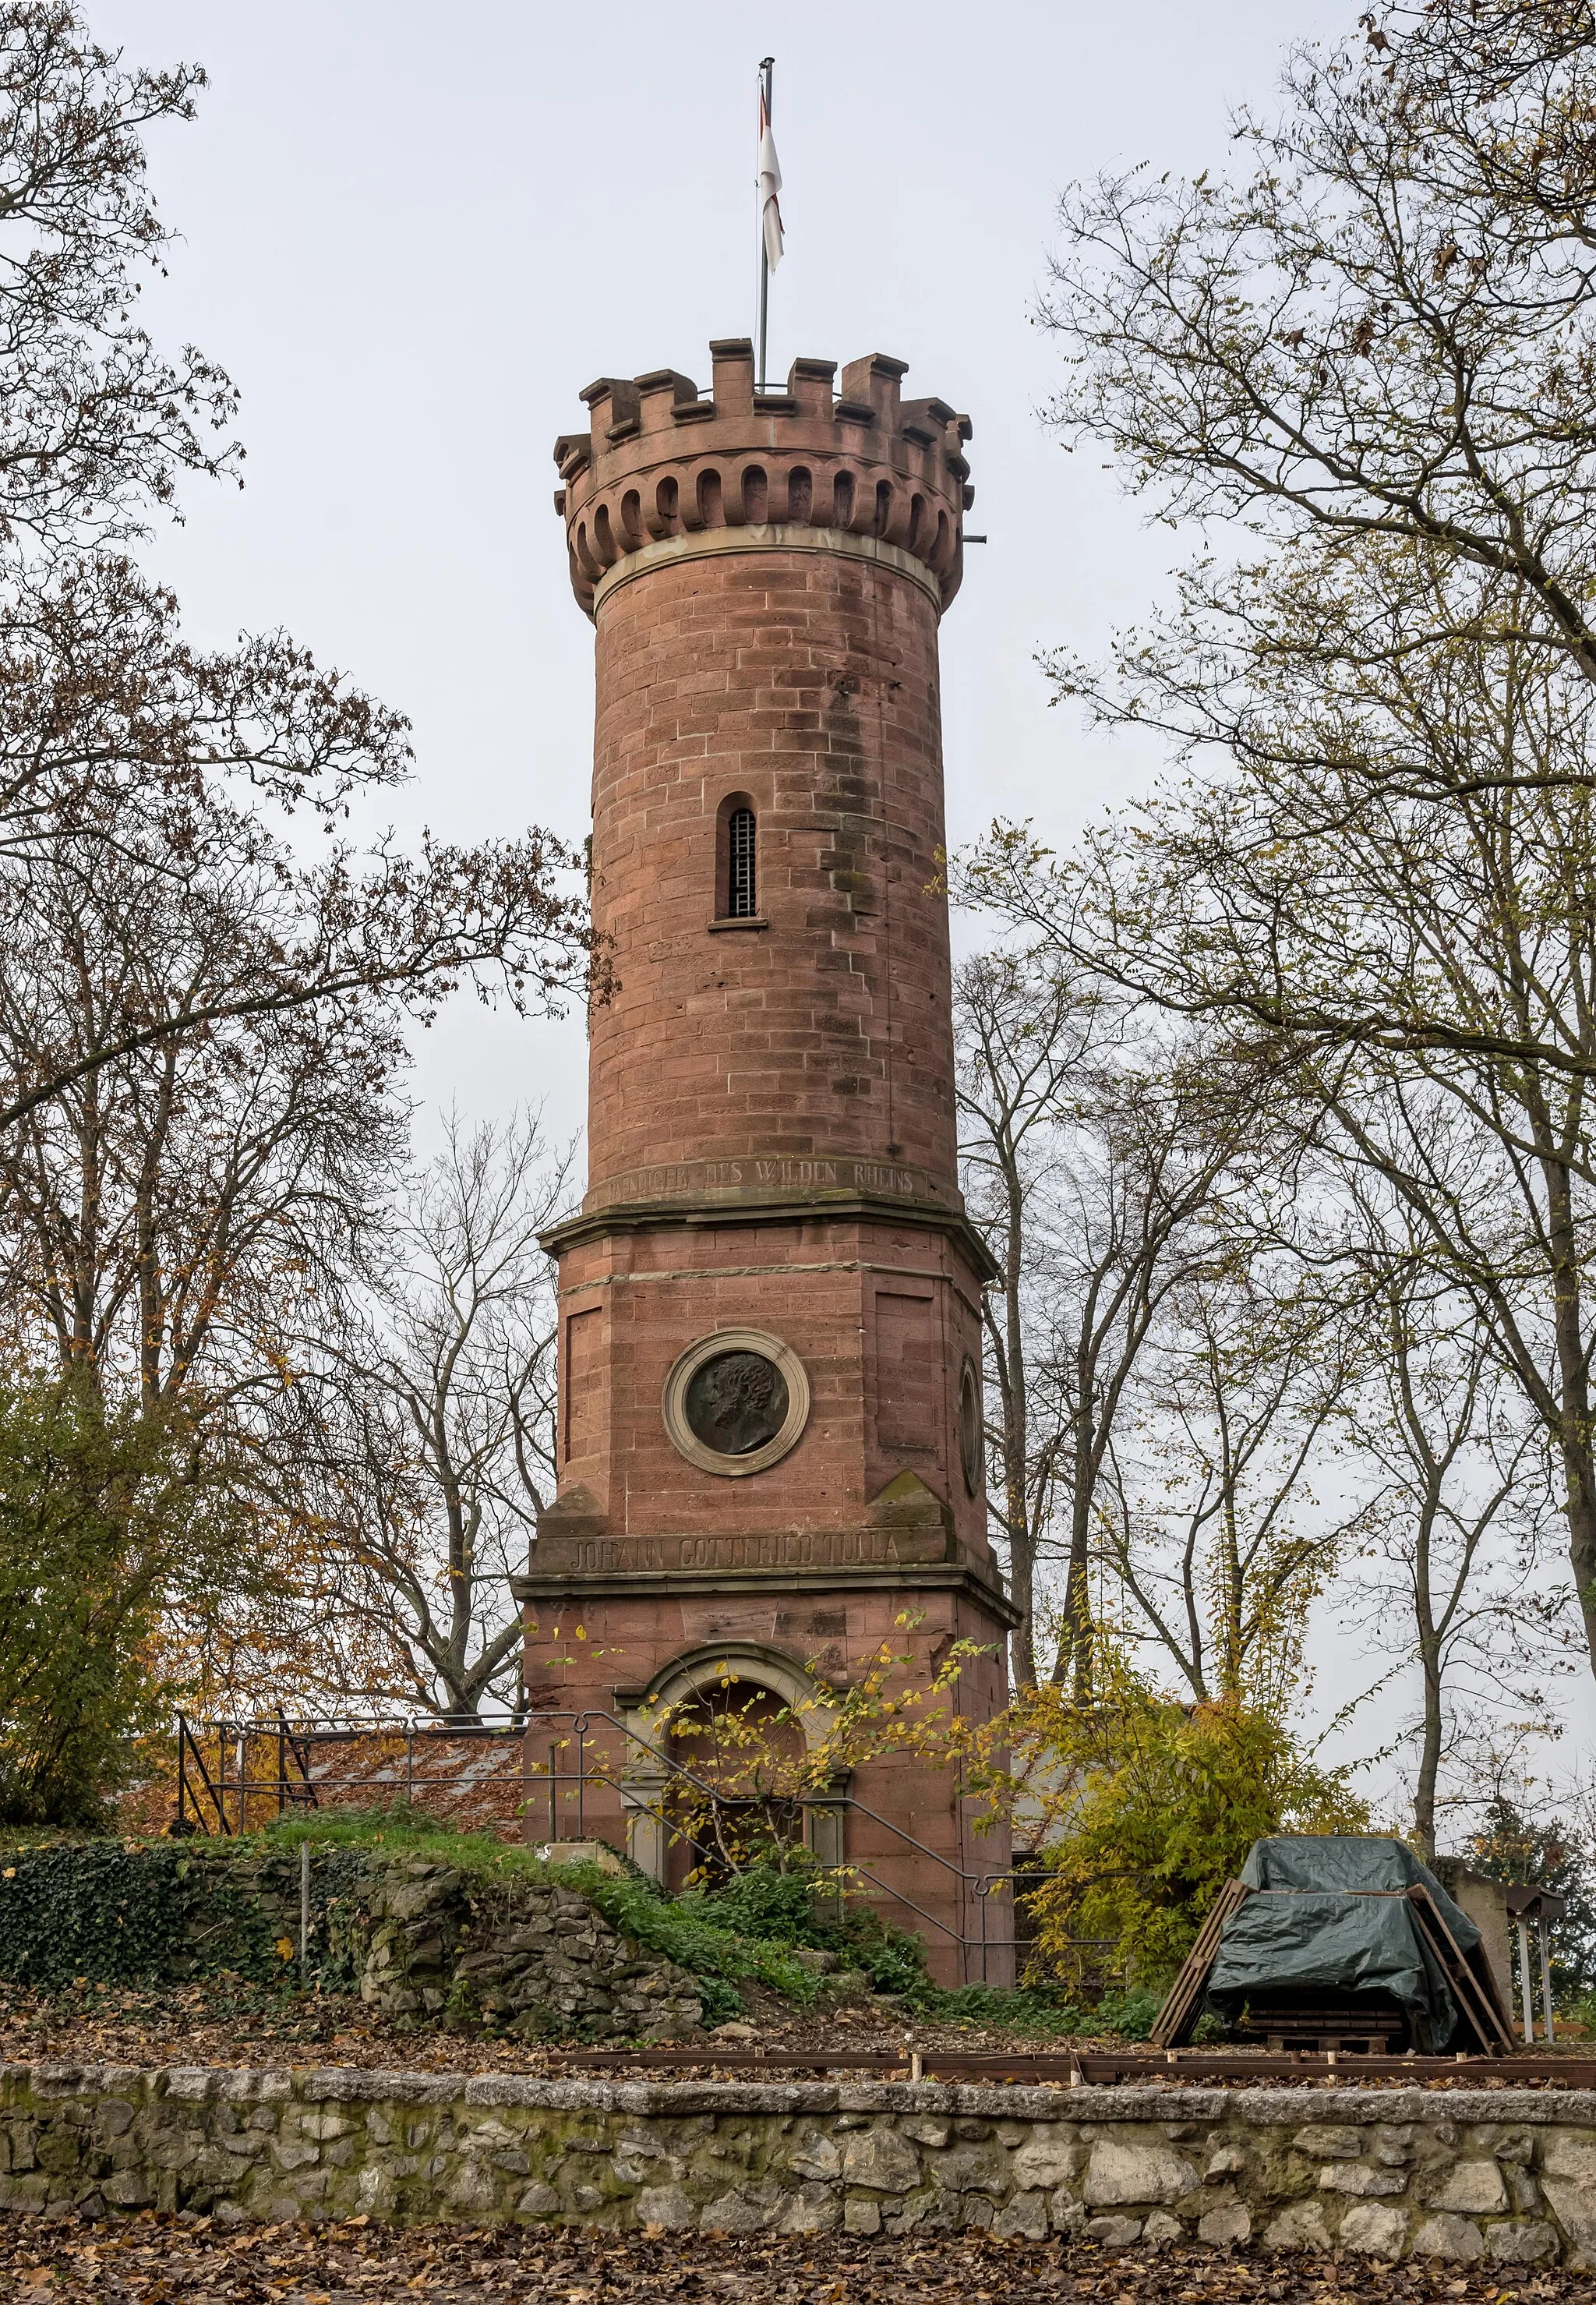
[809, 2156]
[1120, 2172]
[882, 2159]
[1374, 2230]
[1472, 2188]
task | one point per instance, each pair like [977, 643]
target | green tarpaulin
[1309, 1930]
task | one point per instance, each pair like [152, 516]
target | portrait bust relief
[736, 1401]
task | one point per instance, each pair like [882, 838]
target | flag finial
[769, 189]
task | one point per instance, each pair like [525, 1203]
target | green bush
[106, 1912]
[999, 2008]
[1130, 2014]
[135, 1913]
[778, 1907]
[892, 1961]
[91, 1910]
[719, 2001]
[689, 1931]
[719, 1938]
[796, 1909]
[1158, 1803]
[145, 1914]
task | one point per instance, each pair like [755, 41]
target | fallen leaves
[229, 2021]
[148, 2260]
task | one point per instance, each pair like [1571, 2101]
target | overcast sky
[413, 232]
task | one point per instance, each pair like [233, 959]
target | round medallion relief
[971, 1422]
[736, 1401]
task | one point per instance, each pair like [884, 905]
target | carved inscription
[790, 1548]
[779, 1173]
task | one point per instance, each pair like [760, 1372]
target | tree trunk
[1073, 1663]
[1022, 1536]
[1574, 1387]
[1430, 1666]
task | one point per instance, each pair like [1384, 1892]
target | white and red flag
[770, 183]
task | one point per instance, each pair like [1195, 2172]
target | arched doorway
[720, 1770]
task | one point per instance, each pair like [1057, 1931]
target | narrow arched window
[737, 889]
[742, 892]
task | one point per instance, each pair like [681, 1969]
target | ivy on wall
[110, 1912]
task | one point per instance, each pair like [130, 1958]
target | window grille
[740, 874]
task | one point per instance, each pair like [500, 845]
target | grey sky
[413, 234]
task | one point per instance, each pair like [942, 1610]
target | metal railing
[197, 1789]
[230, 1772]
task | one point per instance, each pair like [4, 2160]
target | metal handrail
[287, 1743]
[185, 1743]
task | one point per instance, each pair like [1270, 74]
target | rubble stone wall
[538, 1961]
[1504, 2175]
[414, 1936]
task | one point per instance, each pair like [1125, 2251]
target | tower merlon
[657, 462]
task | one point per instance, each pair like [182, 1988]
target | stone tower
[769, 1419]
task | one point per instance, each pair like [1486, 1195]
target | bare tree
[198, 1027]
[166, 1213]
[1097, 1155]
[438, 1424]
[384, 928]
[1391, 889]
[1221, 1541]
[1023, 1028]
[114, 731]
[1372, 354]
[1464, 1473]
[1383, 330]
[170, 1221]
[99, 425]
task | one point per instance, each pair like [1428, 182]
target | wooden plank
[1174, 2018]
[1477, 1967]
[1478, 2005]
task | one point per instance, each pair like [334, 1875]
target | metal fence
[516, 1779]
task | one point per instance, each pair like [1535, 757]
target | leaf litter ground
[219, 2022]
[225, 2022]
[147, 2260]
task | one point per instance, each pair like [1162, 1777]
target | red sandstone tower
[770, 1422]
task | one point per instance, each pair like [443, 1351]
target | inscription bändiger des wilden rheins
[666, 1180]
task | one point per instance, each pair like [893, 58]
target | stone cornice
[1292, 2108]
[769, 536]
[796, 1207]
[572, 1585]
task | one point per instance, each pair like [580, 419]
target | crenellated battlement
[661, 473]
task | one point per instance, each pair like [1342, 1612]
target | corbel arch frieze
[794, 489]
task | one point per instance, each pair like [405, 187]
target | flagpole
[767, 75]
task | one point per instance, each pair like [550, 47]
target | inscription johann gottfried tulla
[832, 1548]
